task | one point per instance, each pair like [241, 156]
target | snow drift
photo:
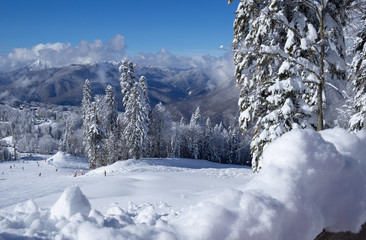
[71, 202]
[65, 160]
[310, 181]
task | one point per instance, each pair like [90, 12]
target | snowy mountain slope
[303, 188]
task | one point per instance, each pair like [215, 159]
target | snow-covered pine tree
[175, 140]
[269, 93]
[160, 131]
[207, 148]
[96, 135]
[234, 146]
[219, 143]
[321, 54]
[183, 131]
[195, 131]
[146, 113]
[110, 117]
[64, 144]
[358, 77]
[87, 118]
[136, 120]
[127, 79]
[274, 43]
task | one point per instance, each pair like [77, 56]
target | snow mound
[307, 184]
[71, 202]
[27, 207]
[170, 165]
[64, 160]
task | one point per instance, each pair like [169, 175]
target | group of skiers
[40, 174]
[76, 172]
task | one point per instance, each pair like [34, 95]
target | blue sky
[183, 27]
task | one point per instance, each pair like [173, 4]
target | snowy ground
[165, 185]
[309, 181]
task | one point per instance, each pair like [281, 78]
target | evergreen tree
[110, 116]
[136, 122]
[219, 143]
[137, 110]
[145, 113]
[194, 134]
[175, 141]
[87, 119]
[127, 80]
[160, 130]
[207, 149]
[358, 78]
[97, 152]
[64, 144]
[274, 43]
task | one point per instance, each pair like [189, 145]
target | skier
[76, 173]
[39, 174]
[105, 172]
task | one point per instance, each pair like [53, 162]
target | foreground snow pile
[72, 201]
[309, 181]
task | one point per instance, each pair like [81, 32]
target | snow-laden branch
[281, 55]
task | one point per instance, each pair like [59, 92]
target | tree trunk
[321, 71]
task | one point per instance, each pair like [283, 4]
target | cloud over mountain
[48, 55]
[62, 54]
[219, 69]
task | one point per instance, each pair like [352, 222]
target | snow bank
[71, 202]
[309, 181]
[64, 160]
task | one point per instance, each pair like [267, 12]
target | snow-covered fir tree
[127, 79]
[358, 78]
[136, 117]
[160, 131]
[133, 122]
[146, 113]
[64, 144]
[97, 153]
[207, 148]
[274, 43]
[194, 134]
[110, 116]
[175, 140]
[87, 108]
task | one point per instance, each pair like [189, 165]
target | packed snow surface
[309, 181]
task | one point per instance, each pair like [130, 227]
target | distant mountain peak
[39, 64]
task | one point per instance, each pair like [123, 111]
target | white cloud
[61, 54]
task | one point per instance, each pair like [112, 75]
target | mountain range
[180, 90]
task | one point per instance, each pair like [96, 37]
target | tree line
[144, 132]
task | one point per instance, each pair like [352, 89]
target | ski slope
[168, 185]
[310, 181]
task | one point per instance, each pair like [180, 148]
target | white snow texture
[309, 181]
